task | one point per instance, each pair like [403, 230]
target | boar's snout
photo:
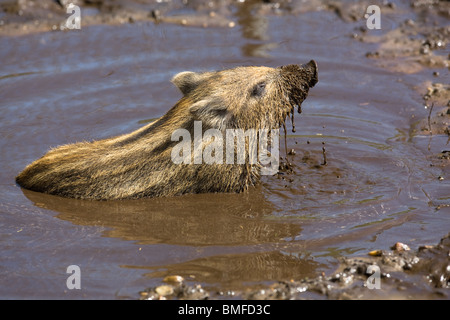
[311, 70]
[295, 73]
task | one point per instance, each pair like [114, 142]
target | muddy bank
[27, 16]
[30, 16]
[415, 44]
[402, 274]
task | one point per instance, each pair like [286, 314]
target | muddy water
[377, 188]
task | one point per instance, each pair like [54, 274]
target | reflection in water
[200, 220]
[226, 221]
[253, 267]
[258, 49]
[254, 28]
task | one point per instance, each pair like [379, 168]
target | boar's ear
[186, 81]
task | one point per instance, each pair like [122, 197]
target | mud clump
[437, 99]
[410, 48]
[148, 161]
[437, 123]
[439, 6]
[414, 44]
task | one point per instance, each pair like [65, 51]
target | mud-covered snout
[305, 73]
[311, 71]
[298, 79]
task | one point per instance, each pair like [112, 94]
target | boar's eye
[258, 90]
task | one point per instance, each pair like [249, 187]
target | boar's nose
[308, 72]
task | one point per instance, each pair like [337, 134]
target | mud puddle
[386, 178]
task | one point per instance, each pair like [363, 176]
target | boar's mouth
[299, 79]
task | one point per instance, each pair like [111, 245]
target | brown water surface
[377, 188]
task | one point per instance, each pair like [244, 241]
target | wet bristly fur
[139, 164]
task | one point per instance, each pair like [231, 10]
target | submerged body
[140, 164]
